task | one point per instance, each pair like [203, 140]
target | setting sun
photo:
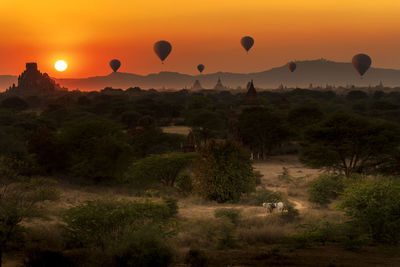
[61, 65]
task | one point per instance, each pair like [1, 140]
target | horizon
[207, 33]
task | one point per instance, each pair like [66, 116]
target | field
[256, 235]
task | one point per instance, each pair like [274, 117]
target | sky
[88, 34]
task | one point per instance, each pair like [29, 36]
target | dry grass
[184, 130]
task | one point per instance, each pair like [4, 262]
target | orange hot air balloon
[162, 49]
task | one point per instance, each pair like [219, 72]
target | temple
[33, 81]
[219, 85]
[197, 86]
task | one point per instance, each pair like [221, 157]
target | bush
[158, 169]
[291, 213]
[184, 183]
[325, 188]
[263, 195]
[232, 214]
[144, 249]
[224, 172]
[196, 258]
[155, 141]
[95, 149]
[103, 223]
[374, 207]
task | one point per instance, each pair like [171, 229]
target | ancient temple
[219, 85]
[190, 144]
[251, 96]
[197, 86]
[33, 81]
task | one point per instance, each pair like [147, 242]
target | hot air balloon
[115, 64]
[292, 66]
[200, 68]
[247, 43]
[162, 49]
[361, 63]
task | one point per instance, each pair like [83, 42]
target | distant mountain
[316, 72]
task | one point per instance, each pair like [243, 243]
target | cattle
[271, 206]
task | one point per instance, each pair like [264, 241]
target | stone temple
[32, 81]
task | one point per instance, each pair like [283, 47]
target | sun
[61, 65]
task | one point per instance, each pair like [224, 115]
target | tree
[18, 201]
[301, 117]
[374, 207]
[155, 141]
[207, 124]
[223, 172]
[356, 95]
[349, 144]
[95, 149]
[261, 130]
[159, 168]
[14, 103]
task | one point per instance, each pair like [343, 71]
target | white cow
[271, 206]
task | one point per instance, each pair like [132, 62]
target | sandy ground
[176, 130]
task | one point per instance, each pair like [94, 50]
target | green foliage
[325, 188]
[207, 124]
[374, 207]
[95, 149]
[349, 144]
[14, 103]
[232, 214]
[223, 172]
[103, 223]
[154, 169]
[20, 200]
[155, 141]
[290, 213]
[261, 130]
[303, 116]
[143, 249]
[184, 183]
[263, 195]
[315, 232]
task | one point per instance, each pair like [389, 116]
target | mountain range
[317, 72]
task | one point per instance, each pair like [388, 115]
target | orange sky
[88, 34]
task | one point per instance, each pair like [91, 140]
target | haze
[87, 34]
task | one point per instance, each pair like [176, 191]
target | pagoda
[32, 81]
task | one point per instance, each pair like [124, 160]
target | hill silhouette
[316, 72]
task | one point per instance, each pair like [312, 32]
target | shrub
[196, 258]
[290, 213]
[374, 207]
[102, 223]
[184, 183]
[263, 195]
[158, 169]
[325, 188]
[95, 149]
[223, 172]
[143, 249]
[232, 214]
